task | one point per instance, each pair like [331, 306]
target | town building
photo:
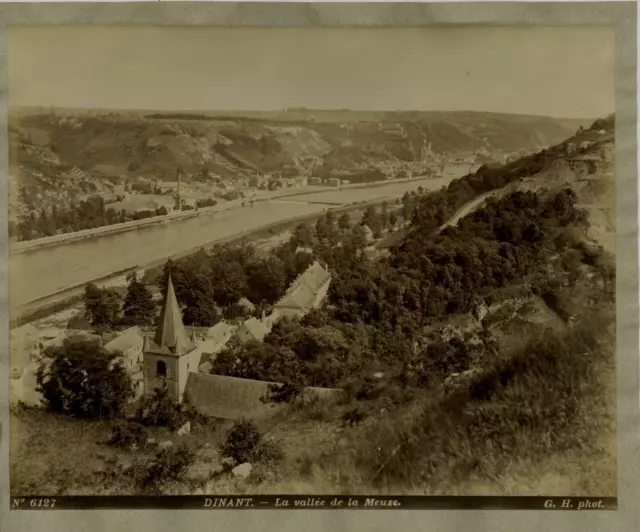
[306, 293]
[23, 347]
[217, 337]
[368, 234]
[585, 144]
[131, 344]
[171, 353]
[304, 249]
[246, 305]
[252, 329]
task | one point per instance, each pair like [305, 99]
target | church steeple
[170, 333]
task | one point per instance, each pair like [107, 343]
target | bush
[245, 443]
[168, 465]
[160, 410]
[497, 419]
[124, 434]
[241, 442]
[83, 379]
[283, 393]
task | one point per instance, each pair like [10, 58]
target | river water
[42, 272]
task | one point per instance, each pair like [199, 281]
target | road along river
[43, 272]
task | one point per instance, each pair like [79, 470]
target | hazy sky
[564, 72]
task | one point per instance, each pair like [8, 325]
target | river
[42, 272]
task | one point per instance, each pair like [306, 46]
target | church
[171, 353]
[174, 352]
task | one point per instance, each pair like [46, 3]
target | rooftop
[221, 331]
[225, 397]
[255, 328]
[244, 302]
[125, 340]
[170, 337]
[303, 290]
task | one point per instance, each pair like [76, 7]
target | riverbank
[65, 238]
[63, 299]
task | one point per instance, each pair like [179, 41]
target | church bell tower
[166, 354]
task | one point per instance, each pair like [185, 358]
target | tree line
[86, 214]
[376, 310]
[105, 308]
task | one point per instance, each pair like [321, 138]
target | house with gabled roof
[252, 329]
[247, 305]
[306, 293]
[131, 344]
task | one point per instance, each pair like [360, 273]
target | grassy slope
[556, 420]
[543, 445]
[193, 143]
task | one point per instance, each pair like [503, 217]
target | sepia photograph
[346, 265]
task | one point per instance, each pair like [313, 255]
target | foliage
[377, 309]
[160, 410]
[241, 441]
[83, 379]
[168, 465]
[498, 417]
[210, 281]
[207, 202]
[85, 214]
[127, 433]
[283, 393]
[139, 307]
[102, 306]
[245, 443]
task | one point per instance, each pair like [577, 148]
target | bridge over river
[43, 273]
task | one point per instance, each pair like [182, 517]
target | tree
[199, 299]
[358, 237]
[139, 307]
[83, 379]
[344, 222]
[102, 306]
[267, 279]
[303, 235]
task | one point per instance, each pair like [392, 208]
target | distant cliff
[58, 157]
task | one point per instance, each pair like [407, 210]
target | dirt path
[468, 208]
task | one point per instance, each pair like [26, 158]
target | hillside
[64, 155]
[477, 358]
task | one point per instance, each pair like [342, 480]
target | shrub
[124, 434]
[168, 465]
[268, 452]
[283, 393]
[161, 411]
[241, 442]
[245, 443]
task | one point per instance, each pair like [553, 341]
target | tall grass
[553, 397]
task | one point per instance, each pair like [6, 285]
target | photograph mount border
[621, 15]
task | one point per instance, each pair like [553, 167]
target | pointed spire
[170, 332]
